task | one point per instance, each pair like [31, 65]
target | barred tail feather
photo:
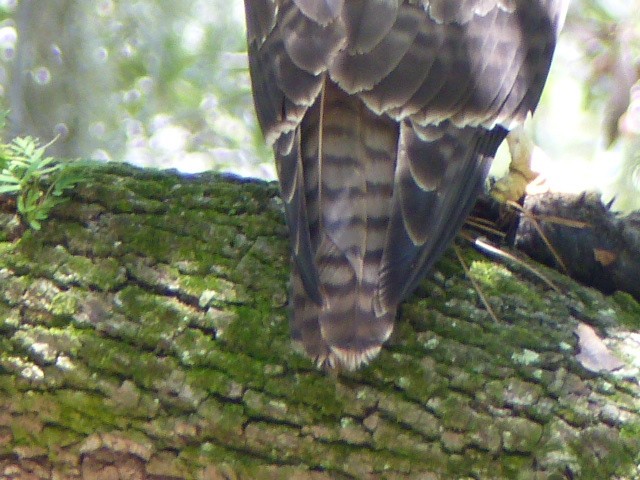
[340, 333]
[348, 157]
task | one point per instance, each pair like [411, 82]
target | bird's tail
[348, 157]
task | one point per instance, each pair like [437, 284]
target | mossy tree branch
[143, 334]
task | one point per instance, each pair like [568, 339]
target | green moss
[6, 250]
[465, 381]
[118, 198]
[631, 431]
[259, 332]
[476, 464]
[223, 462]
[411, 382]
[75, 211]
[62, 418]
[26, 431]
[259, 405]
[448, 352]
[13, 289]
[200, 350]
[449, 266]
[222, 422]
[495, 279]
[485, 434]
[206, 228]
[65, 303]
[602, 454]
[7, 383]
[158, 245]
[391, 437]
[39, 344]
[102, 274]
[148, 319]
[528, 339]
[520, 435]
[513, 465]
[210, 289]
[195, 348]
[77, 238]
[470, 464]
[412, 415]
[55, 437]
[30, 242]
[574, 414]
[116, 358]
[214, 381]
[317, 393]
[256, 271]
[85, 413]
[58, 264]
[9, 320]
[9, 226]
[628, 309]
[454, 411]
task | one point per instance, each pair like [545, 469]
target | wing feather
[320, 11]
[431, 201]
[368, 22]
[358, 70]
[261, 19]
[309, 44]
[292, 187]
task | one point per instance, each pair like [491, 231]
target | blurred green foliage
[154, 83]
[589, 120]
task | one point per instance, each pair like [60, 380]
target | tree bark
[143, 335]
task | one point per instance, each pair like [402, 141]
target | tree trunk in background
[143, 334]
[58, 79]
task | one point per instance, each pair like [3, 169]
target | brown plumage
[384, 116]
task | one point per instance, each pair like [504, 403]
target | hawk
[384, 116]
